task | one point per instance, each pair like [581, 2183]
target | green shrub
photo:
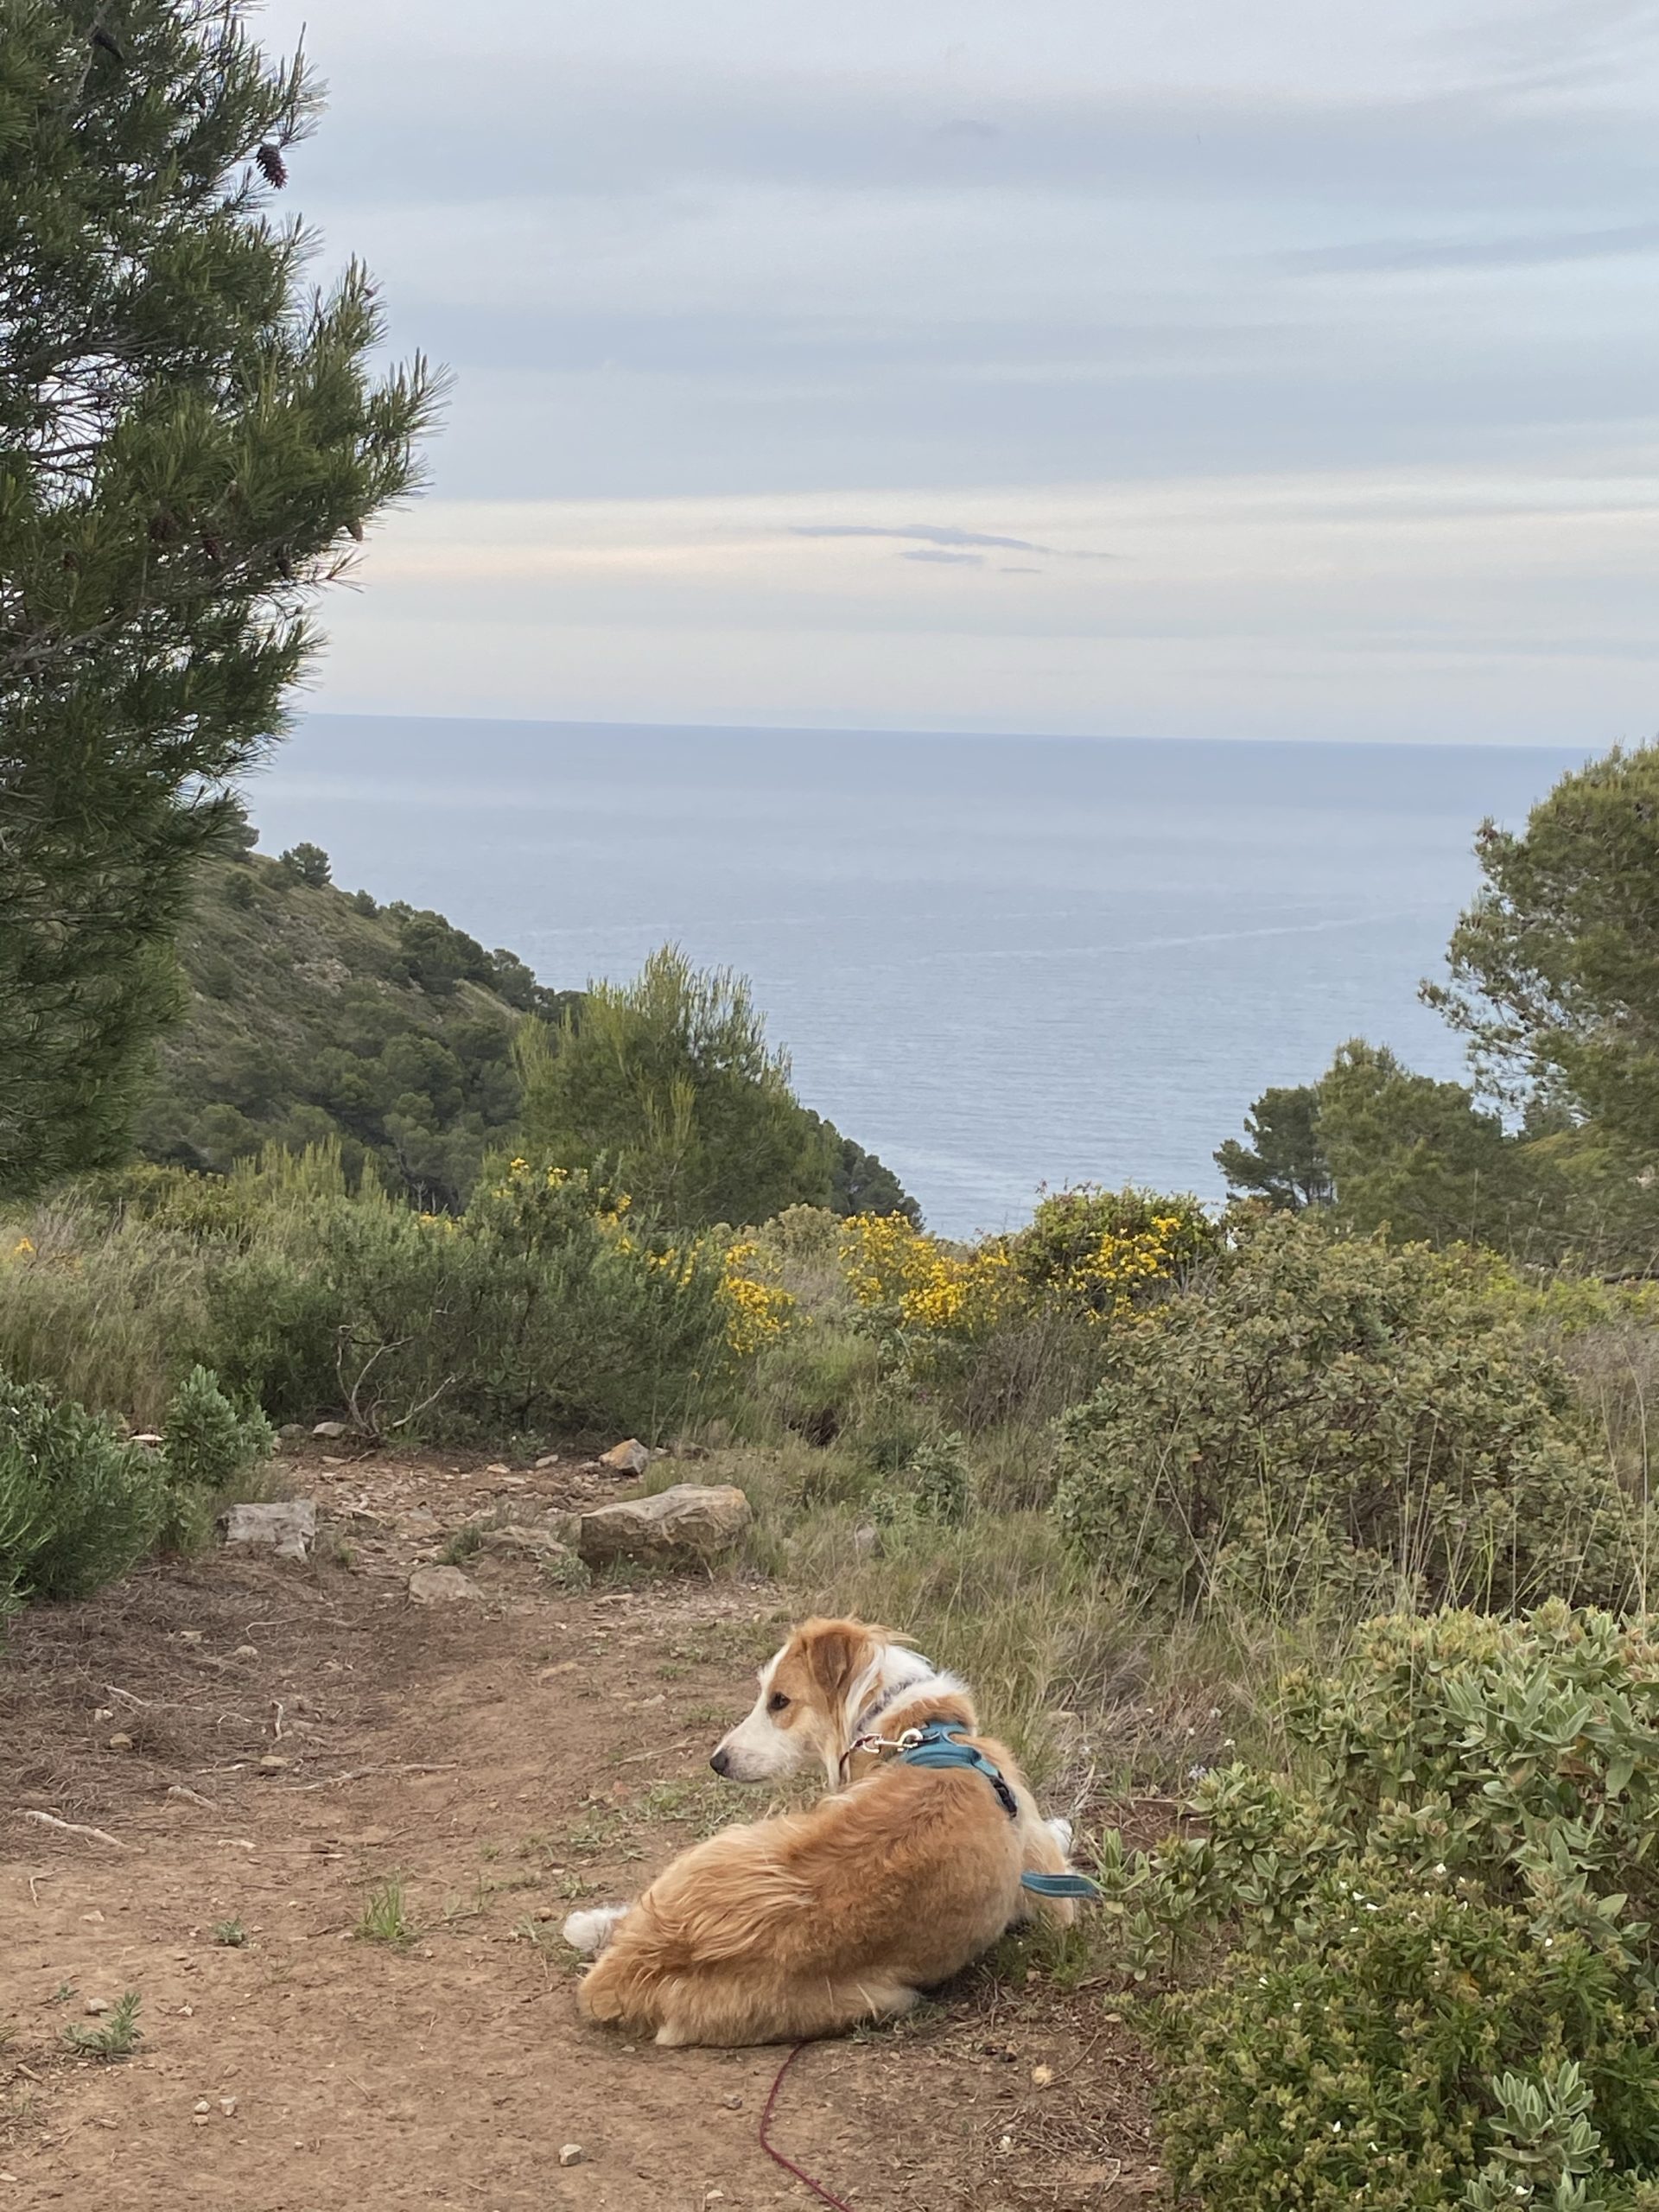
[78, 1507]
[935, 1484]
[1440, 1987]
[545, 1307]
[209, 1445]
[817, 1380]
[1333, 1424]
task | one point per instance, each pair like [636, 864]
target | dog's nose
[721, 1762]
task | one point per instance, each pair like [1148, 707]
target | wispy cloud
[932, 533]
[937, 553]
[942, 534]
[1529, 250]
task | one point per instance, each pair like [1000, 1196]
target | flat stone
[628, 1458]
[441, 1585]
[289, 1529]
[331, 1428]
[691, 1522]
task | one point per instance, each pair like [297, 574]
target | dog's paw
[1061, 1831]
[587, 1933]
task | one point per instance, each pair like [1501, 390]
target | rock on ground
[692, 1520]
[289, 1529]
[441, 1585]
[629, 1458]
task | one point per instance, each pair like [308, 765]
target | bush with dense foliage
[1091, 1255]
[208, 1443]
[78, 1506]
[1331, 1424]
[548, 1306]
[671, 1079]
[1425, 1973]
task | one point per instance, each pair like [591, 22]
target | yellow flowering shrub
[1104, 1254]
[892, 1266]
[758, 1312]
[1096, 1255]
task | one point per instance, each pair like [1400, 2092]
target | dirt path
[498, 1760]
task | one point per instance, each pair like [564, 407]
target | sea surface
[999, 962]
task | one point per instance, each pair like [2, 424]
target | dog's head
[812, 1694]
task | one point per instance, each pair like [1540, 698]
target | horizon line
[1591, 750]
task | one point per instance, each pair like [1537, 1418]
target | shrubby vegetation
[315, 1017]
[546, 1307]
[672, 1079]
[80, 1503]
[1336, 1424]
[1431, 1961]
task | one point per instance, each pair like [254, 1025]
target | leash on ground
[789, 2165]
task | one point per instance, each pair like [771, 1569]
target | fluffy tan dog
[804, 1924]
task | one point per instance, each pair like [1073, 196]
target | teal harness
[938, 1744]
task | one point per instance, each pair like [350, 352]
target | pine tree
[191, 442]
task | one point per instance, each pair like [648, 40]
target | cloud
[935, 553]
[933, 533]
[1384, 257]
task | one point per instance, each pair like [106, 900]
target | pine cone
[272, 167]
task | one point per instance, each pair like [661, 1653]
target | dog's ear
[878, 1635]
[835, 1656]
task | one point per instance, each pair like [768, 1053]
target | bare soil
[266, 1743]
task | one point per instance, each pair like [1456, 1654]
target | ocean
[998, 962]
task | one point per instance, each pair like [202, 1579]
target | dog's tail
[587, 1933]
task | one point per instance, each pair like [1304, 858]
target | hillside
[314, 1014]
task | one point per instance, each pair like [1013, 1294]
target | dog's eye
[776, 1702]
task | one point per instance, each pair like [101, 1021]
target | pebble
[93, 1919]
[273, 1762]
[733, 2103]
[571, 2154]
[227, 2105]
[94, 2005]
[246, 1651]
[120, 1743]
[201, 2105]
[1042, 2075]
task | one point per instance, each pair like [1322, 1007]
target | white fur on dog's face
[813, 1694]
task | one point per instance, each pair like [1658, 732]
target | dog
[806, 1924]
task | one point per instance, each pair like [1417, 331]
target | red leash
[789, 2164]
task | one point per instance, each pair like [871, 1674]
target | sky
[1285, 371]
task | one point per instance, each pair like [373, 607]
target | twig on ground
[358, 1773]
[75, 1827]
